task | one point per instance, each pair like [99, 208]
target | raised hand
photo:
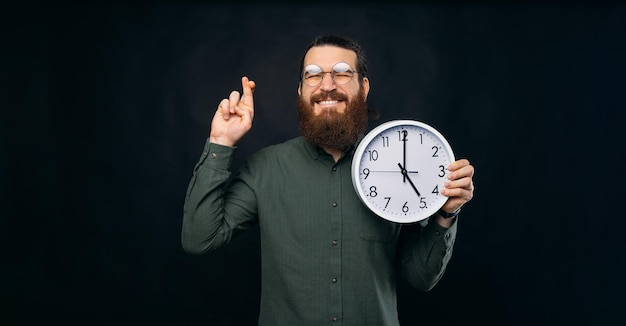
[234, 115]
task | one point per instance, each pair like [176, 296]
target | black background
[105, 109]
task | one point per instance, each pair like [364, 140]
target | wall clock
[399, 168]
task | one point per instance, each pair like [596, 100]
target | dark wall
[105, 109]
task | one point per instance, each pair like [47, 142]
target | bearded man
[325, 258]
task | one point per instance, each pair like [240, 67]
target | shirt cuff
[216, 156]
[442, 236]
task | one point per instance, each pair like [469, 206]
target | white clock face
[399, 169]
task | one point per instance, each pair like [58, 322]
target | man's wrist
[221, 141]
[445, 214]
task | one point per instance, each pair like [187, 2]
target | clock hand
[406, 175]
[404, 133]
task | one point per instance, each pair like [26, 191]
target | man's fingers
[458, 164]
[233, 101]
[465, 183]
[247, 98]
[462, 194]
[224, 109]
[460, 169]
[248, 87]
[238, 104]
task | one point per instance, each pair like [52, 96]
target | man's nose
[327, 83]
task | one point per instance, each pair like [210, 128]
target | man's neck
[335, 153]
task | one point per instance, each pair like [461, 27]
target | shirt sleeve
[212, 213]
[424, 253]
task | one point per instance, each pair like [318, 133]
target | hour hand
[406, 175]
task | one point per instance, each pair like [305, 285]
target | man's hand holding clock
[459, 189]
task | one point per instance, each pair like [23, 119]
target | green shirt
[326, 259]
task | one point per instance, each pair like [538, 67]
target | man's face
[326, 57]
[332, 114]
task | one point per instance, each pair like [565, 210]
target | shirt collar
[315, 151]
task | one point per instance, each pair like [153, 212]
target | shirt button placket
[334, 197]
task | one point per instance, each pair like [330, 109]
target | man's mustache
[329, 96]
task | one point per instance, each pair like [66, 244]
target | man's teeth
[327, 102]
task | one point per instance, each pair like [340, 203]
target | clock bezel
[356, 167]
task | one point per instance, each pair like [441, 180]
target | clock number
[402, 135]
[387, 203]
[421, 139]
[373, 155]
[385, 141]
[373, 192]
[436, 190]
[366, 171]
[443, 171]
[405, 208]
[422, 202]
[436, 150]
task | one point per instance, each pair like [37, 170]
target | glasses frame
[332, 74]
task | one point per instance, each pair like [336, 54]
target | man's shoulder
[287, 145]
[278, 150]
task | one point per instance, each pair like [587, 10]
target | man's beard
[332, 129]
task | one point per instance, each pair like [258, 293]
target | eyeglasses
[341, 74]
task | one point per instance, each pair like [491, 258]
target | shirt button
[448, 236]
[213, 155]
[334, 168]
[334, 280]
[437, 233]
[334, 204]
[335, 242]
[335, 318]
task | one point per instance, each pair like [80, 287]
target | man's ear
[366, 86]
[300, 88]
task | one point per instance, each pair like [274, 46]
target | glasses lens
[312, 75]
[342, 73]
[342, 67]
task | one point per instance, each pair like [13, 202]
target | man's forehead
[327, 56]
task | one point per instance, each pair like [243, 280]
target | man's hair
[344, 43]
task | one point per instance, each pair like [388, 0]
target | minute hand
[404, 133]
[406, 175]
